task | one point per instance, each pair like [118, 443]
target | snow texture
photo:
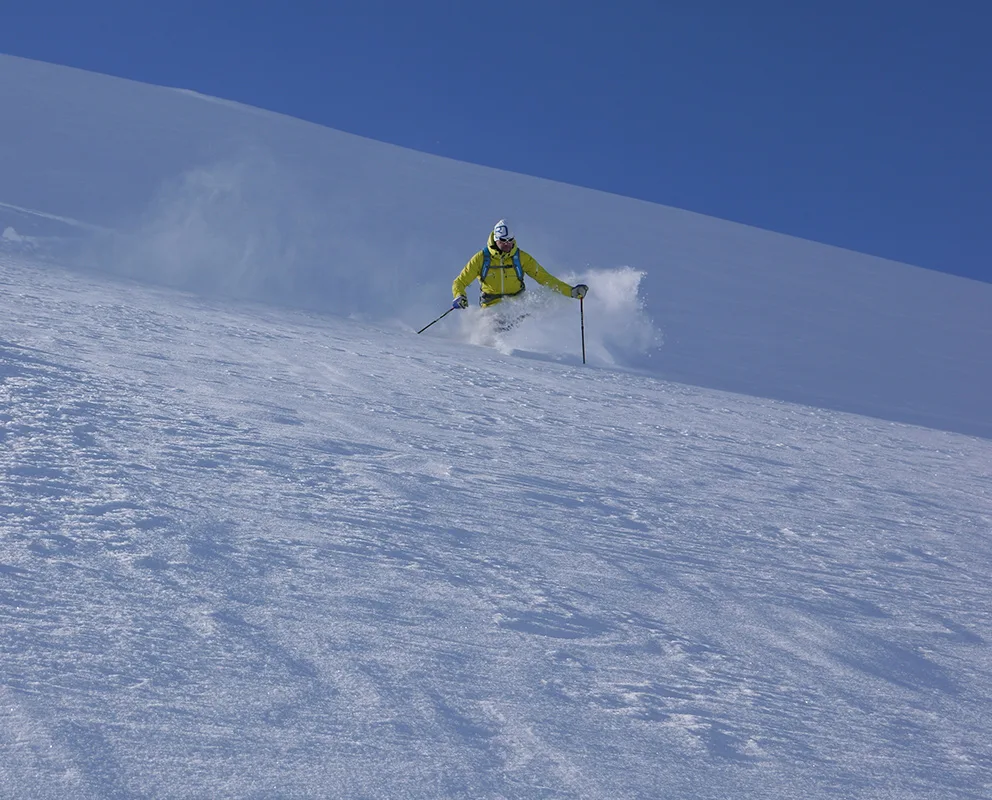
[259, 539]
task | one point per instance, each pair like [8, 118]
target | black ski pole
[582, 318]
[437, 320]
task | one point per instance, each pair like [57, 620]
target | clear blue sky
[865, 125]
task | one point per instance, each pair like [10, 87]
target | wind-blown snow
[259, 539]
[219, 198]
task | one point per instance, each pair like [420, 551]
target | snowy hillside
[259, 539]
[219, 198]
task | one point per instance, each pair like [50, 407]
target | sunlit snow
[260, 539]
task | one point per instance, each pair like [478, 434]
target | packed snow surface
[260, 539]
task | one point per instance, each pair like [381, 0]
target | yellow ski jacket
[501, 280]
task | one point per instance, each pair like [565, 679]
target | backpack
[486, 258]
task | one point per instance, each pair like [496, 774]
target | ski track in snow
[256, 553]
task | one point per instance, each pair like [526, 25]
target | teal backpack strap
[486, 258]
[517, 267]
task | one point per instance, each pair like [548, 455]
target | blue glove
[460, 302]
[579, 291]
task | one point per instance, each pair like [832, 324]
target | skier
[501, 267]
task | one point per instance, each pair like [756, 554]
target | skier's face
[506, 245]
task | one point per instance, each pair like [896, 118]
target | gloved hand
[460, 302]
[579, 290]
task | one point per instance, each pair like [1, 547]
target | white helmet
[501, 230]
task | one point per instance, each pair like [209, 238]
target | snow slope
[219, 198]
[258, 553]
[292, 549]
